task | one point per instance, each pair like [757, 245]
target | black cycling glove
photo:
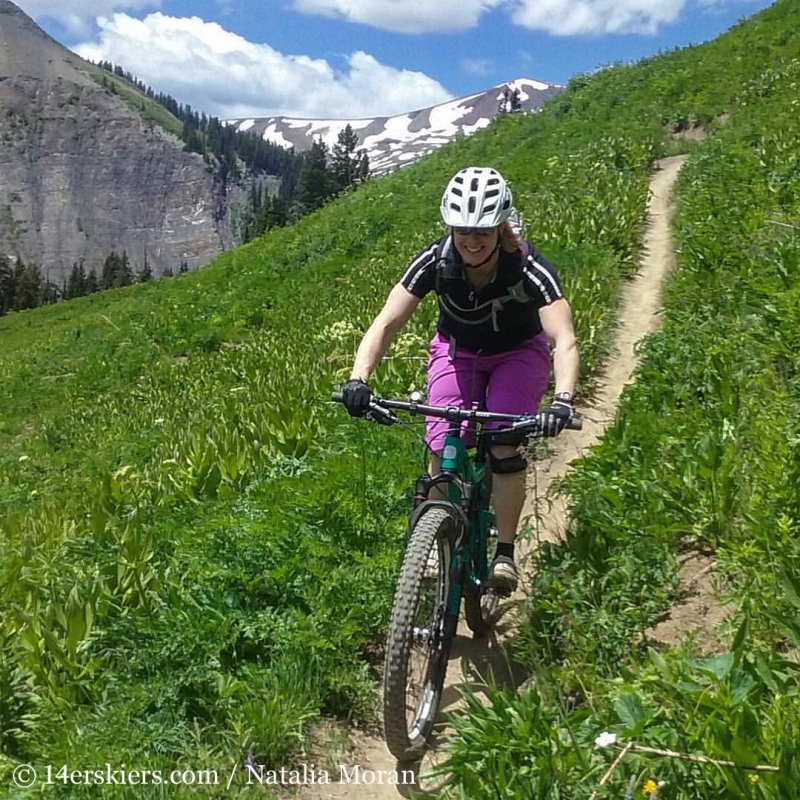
[356, 395]
[555, 417]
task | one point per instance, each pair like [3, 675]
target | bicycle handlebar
[456, 414]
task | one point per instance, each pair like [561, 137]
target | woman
[501, 306]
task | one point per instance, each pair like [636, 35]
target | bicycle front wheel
[420, 633]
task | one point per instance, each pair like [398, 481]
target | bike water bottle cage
[505, 466]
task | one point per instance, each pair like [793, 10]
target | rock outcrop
[81, 173]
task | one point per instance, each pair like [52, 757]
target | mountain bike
[446, 560]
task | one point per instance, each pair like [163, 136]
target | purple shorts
[512, 382]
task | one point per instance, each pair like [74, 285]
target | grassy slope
[703, 457]
[187, 520]
[136, 100]
[182, 523]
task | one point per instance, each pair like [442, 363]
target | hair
[510, 241]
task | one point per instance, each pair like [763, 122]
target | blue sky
[363, 58]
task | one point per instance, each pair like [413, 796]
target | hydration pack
[516, 292]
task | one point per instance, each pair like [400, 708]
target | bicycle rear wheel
[420, 633]
[480, 610]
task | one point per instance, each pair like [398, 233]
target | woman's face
[475, 245]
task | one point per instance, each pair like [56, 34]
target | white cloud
[558, 17]
[225, 75]
[77, 15]
[722, 3]
[595, 17]
[403, 16]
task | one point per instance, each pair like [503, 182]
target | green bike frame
[469, 560]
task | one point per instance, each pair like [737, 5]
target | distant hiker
[501, 306]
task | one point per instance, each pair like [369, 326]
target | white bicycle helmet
[476, 197]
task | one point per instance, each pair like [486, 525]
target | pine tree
[272, 215]
[505, 102]
[6, 285]
[315, 184]
[515, 102]
[363, 166]
[145, 273]
[125, 273]
[111, 267]
[92, 285]
[167, 272]
[184, 267]
[27, 285]
[344, 163]
[50, 292]
[76, 284]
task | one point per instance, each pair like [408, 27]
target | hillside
[201, 551]
[87, 170]
[392, 142]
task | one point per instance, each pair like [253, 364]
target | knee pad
[504, 466]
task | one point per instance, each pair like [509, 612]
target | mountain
[391, 142]
[83, 171]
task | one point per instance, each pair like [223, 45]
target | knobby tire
[420, 628]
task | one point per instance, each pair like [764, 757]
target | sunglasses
[474, 231]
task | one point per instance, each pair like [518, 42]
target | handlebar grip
[337, 397]
[575, 424]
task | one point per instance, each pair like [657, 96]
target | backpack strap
[442, 252]
[517, 291]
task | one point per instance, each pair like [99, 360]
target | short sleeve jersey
[498, 317]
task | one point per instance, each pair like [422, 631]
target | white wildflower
[605, 739]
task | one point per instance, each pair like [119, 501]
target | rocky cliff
[82, 174]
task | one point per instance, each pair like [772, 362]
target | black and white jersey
[498, 317]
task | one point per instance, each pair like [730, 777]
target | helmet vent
[476, 197]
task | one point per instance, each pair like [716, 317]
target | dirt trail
[471, 659]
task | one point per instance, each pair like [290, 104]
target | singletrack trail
[472, 659]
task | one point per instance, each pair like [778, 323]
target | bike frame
[466, 491]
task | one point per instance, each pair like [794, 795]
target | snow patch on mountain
[391, 142]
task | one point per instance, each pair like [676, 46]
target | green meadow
[199, 548]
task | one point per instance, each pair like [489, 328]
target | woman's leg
[454, 379]
[516, 385]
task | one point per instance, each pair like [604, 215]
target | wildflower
[650, 787]
[605, 739]
[754, 778]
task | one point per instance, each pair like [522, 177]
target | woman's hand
[555, 417]
[356, 395]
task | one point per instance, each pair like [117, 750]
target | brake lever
[530, 426]
[381, 415]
